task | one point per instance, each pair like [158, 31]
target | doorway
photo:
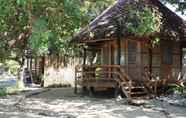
[133, 59]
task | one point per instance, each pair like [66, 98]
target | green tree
[43, 25]
[46, 25]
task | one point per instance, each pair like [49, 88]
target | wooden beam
[97, 40]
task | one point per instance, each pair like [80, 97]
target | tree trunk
[20, 75]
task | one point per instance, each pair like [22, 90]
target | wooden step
[127, 83]
[137, 93]
[134, 87]
[126, 93]
[133, 90]
[141, 97]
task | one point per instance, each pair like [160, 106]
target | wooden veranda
[114, 76]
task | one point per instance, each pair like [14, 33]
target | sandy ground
[62, 103]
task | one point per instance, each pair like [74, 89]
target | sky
[173, 8]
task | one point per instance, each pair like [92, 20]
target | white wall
[62, 75]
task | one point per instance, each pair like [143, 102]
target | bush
[19, 86]
[12, 66]
[179, 89]
[3, 92]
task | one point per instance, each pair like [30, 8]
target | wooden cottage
[113, 59]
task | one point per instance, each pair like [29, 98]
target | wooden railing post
[109, 69]
[130, 88]
[82, 73]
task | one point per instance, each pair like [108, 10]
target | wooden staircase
[131, 89]
[134, 91]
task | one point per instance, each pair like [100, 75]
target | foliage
[141, 20]
[12, 27]
[19, 86]
[52, 30]
[93, 8]
[3, 92]
[146, 22]
[46, 25]
[11, 66]
[11, 89]
[177, 88]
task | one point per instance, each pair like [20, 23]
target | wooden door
[133, 59]
[167, 59]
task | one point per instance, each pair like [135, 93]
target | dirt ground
[63, 103]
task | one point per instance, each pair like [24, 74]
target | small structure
[123, 61]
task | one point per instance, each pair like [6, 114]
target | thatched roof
[105, 27]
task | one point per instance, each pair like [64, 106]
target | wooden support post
[150, 59]
[43, 65]
[90, 91]
[116, 90]
[118, 51]
[84, 56]
[109, 69]
[84, 63]
[27, 61]
[181, 57]
[130, 90]
[31, 73]
[35, 67]
[119, 36]
[110, 61]
[156, 88]
[75, 82]
[42, 70]
[30, 64]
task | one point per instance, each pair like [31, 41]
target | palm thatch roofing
[105, 26]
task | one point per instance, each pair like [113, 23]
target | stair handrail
[117, 70]
[123, 76]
